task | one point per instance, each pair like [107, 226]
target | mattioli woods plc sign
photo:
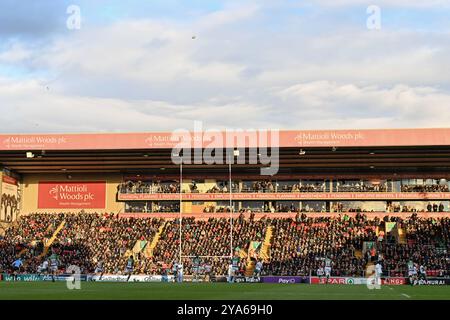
[72, 195]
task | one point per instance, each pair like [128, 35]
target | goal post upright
[231, 208]
[181, 208]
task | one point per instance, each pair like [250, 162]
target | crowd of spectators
[210, 237]
[223, 187]
[298, 247]
[148, 187]
[360, 186]
[431, 207]
[85, 240]
[425, 188]
[27, 238]
[428, 243]
[269, 186]
[166, 207]
[259, 186]
[217, 209]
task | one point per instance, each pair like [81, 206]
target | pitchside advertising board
[72, 195]
[9, 199]
[269, 279]
[38, 277]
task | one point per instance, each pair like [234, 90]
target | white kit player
[99, 269]
[175, 271]
[54, 264]
[412, 272]
[230, 273]
[320, 273]
[43, 267]
[422, 272]
[208, 269]
[378, 273]
[130, 267]
[328, 265]
[258, 268]
[180, 272]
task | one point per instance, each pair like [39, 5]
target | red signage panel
[72, 195]
[290, 196]
[168, 140]
[9, 180]
[394, 281]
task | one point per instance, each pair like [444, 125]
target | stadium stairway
[22, 252]
[250, 268]
[265, 249]
[401, 239]
[148, 250]
[52, 238]
[243, 254]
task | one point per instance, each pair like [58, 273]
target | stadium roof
[346, 152]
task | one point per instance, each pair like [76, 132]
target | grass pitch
[215, 291]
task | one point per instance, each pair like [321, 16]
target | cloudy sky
[159, 65]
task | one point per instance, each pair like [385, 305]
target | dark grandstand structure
[354, 196]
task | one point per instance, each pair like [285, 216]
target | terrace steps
[52, 239]
[243, 254]
[265, 249]
[250, 268]
[148, 250]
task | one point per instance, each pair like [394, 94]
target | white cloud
[384, 3]
[369, 106]
[145, 75]
[15, 52]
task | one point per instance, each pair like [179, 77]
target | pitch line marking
[404, 294]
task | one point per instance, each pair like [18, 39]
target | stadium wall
[101, 188]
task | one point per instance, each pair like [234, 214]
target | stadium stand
[297, 245]
[353, 196]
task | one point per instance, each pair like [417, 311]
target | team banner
[389, 226]
[255, 247]
[72, 195]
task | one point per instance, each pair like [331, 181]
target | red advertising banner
[331, 280]
[291, 196]
[393, 281]
[356, 280]
[72, 195]
[9, 180]
[197, 139]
